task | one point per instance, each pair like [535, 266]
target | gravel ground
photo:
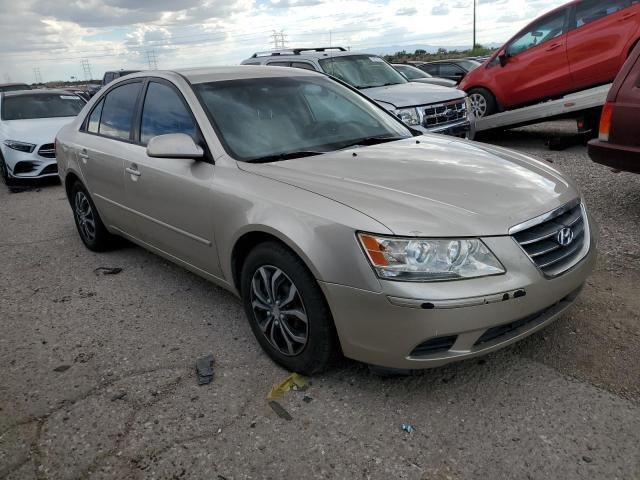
[98, 381]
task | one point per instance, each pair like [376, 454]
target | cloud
[407, 11]
[440, 9]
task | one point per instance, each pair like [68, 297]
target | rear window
[118, 110]
[592, 10]
[41, 105]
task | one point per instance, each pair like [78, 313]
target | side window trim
[85, 122]
[137, 123]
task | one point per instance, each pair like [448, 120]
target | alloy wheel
[478, 104]
[85, 217]
[279, 311]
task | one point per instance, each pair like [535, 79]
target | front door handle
[133, 171]
[84, 155]
[554, 46]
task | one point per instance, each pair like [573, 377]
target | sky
[59, 39]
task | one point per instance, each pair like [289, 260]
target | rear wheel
[287, 310]
[90, 227]
[483, 103]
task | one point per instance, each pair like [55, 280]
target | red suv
[618, 144]
[579, 45]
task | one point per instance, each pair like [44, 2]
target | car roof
[220, 74]
[18, 84]
[324, 52]
[39, 91]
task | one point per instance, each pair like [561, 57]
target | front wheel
[483, 103]
[287, 310]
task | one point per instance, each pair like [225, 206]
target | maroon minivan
[618, 144]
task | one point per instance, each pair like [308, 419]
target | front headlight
[427, 260]
[409, 116]
[20, 146]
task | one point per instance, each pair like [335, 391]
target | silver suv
[428, 108]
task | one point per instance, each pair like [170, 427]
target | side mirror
[174, 145]
[504, 59]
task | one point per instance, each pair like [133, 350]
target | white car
[29, 122]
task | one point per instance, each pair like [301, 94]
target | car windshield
[267, 119]
[468, 65]
[412, 73]
[41, 105]
[362, 71]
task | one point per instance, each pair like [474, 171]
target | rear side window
[164, 112]
[450, 70]
[306, 66]
[592, 10]
[93, 124]
[118, 111]
[431, 69]
[279, 64]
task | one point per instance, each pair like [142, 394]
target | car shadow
[31, 185]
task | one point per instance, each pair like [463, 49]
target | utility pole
[37, 75]
[86, 67]
[474, 26]
[151, 59]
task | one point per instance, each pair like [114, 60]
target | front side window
[41, 105]
[592, 10]
[362, 71]
[262, 117]
[93, 125]
[547, 29]
[450, 70]
[431, 69]
[164, 112]
[118, 111]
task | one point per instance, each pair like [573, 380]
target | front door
[537, 66]
[171, 197]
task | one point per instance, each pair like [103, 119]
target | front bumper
[462, 129]
[422, 325]
[29, 165]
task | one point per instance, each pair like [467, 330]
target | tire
[483, 103]
[8, 181]
[92, 231]
[281, 335]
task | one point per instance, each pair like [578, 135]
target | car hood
[443, 82]
[437, 187]
[37, 131]
[412, 94]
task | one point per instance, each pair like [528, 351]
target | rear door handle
[133, 171]
[554, 46]
[627, 16]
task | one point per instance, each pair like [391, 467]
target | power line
[279, 40]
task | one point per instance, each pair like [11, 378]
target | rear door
[537, 67]
[106, 142]
[171, 197]
[599, 42]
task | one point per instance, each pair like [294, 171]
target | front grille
[543, 242]
[48, 150]
[49, 169]
[444, 114]
[435, 345]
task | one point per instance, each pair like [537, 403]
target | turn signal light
[605, 122]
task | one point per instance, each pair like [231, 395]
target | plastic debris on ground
[204, 368]
[280, 410]
[292, 382]
[107, 270]
[407, 428]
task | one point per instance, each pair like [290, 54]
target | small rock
[587, 459]
[62, 368]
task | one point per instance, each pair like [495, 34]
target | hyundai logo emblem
[565, 237]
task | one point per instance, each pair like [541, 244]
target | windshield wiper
[376, 86]
[285, 156]
[367, 141]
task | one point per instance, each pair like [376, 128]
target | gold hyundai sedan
[341, 229]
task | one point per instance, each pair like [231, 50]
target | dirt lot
[98, 381]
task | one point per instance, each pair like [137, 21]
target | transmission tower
[279, 39]
[151, 59]
[37, 75]
[86, 67]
